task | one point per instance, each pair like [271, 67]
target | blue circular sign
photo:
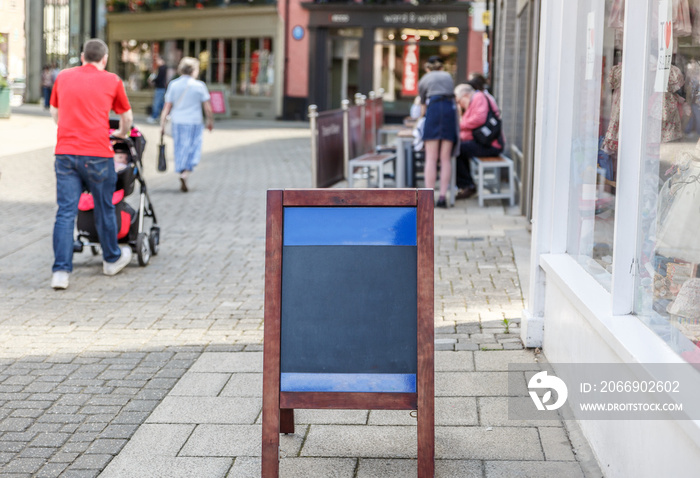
[298, 32]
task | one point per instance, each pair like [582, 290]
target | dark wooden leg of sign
[426, 332]
[271, 345]
[287, 420]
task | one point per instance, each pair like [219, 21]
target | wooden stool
[492, 165]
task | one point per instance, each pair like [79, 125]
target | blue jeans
[73, 174]
[46, 90]
[158, 101]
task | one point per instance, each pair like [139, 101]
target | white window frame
[632, 142]
[609, 313]
[553, 133]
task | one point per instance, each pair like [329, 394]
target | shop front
[237, 47]
[616, 213]
[357, 48]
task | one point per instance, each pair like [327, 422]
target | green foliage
[506, 323]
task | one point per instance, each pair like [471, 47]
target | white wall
[577, 330]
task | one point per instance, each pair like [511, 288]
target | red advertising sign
[409, 84]
[218, 102]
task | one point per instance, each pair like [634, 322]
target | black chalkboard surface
[330, 327]
[349, 300]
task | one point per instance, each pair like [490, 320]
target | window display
[116, 6]
[245, 64]
[668, 291]
[594, 148]
[399, 58]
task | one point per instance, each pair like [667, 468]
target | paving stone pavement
[160, 366]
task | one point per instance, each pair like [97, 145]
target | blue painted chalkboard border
[348, 382]
[356, 226]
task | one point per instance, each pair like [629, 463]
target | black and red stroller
[131, 223]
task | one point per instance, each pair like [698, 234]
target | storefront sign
[590, 46]
[379, 15]
[434, 19]
[665, 50]
[329, 152]
[219, 104]
[340, 18]
[409, 83]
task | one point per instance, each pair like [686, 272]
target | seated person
[474, 107]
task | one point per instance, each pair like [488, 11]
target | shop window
[191, 49]
[242, 65]
[254, 67]
[56, 33]
[594, 148]
[246, 65]
[399, 57]
[668, 287]
[204, 57]
[221, 62]
[263, 60]
[134, 64]
[116, 6]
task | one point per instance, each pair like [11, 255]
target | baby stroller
[131, 224]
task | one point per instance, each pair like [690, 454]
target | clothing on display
[667, 107]
[611, 135]
[687, 303]
[692, 97]
[682, 26]
[679, 212]
[617, 14]
[694, 8]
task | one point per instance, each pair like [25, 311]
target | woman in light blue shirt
[184, 100]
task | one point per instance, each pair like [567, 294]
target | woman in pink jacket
[474, 105]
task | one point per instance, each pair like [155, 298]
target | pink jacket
[475, 116]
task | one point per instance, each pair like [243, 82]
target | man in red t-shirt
[81, 100]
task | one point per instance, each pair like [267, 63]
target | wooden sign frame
[278, 406]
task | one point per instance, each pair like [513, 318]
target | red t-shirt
[84, 97]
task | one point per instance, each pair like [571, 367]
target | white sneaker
[150, 120]
[112, 268]
[60, 280]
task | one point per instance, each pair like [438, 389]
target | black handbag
[162, 166]
[488, 132]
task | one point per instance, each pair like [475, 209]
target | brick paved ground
[81, 369]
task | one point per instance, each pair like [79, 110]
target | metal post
[345, 105]
[373, 99]
[360, 101]
[313, 114]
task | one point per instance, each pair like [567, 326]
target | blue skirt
[441, 119]
[187, 139]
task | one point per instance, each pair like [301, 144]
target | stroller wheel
[154, 240]
[143, 249]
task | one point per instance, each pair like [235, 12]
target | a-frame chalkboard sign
[348, 309]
